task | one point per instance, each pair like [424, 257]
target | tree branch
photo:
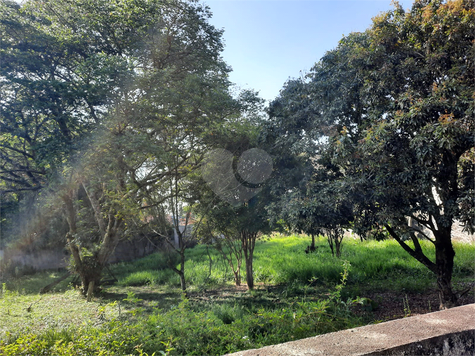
[417, 253]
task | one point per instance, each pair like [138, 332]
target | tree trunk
[172, 261]
[312, 245]
[338, 241]
[330, 243]
[249, 273]
[444, 260]
[182, 281]
[90, 291]
[234, 252]
[90, 273]
[248, 240]
[181, 272]
[90, 268]
[237, 278]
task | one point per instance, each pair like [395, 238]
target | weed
[407, 308]
[305, 295]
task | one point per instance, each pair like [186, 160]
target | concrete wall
[455, 344]
[444, 333]
[58, 258]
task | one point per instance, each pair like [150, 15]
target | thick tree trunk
[90, 273]
[338, 246]
[90, 291]
[312, 245]
[444, 260]
[89, 268]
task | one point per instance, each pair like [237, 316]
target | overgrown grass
[186, 328]
[297, 295]
[281, 260]
[31, 284]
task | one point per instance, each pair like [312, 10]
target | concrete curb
[449, 333]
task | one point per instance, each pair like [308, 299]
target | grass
[297, 295]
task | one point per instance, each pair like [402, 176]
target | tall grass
[185, 329]
[281, 260]
[380, 265]
[297, 295]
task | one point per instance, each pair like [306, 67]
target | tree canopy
[110, 108]
[393, 110]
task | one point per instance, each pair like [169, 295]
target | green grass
[297, 295]
[29, 312]
[281, 260]
[33, 283]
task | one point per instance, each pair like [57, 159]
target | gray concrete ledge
[444, 333]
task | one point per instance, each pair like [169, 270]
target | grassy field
[297, 295]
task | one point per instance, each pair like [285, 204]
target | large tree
[54, 89]
[395, 107]
[127, 93]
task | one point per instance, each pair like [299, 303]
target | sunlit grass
[29, 312]
[289, 282]
[280, 260]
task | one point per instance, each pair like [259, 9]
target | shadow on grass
[32, 284]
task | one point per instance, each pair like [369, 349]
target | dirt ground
[388, 305]
[393, 305]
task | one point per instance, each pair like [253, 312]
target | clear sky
[269, 41]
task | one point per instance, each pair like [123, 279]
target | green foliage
[186, 328]
[386, 121]
[150, 278]
[315, 293]
[282, 261]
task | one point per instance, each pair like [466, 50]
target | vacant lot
[297, 295]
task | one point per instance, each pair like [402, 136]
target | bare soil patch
[394, 305]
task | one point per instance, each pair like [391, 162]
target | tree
[289, 136]
[141, 86]
[58, 84]
[238, 228]
[183, 98]
[233, 206]
[321, 209]
[99, 208]
[395, 105]
[306, 183]
[52, 97]
[216, 230]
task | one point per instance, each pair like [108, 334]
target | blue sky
[269, 41]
